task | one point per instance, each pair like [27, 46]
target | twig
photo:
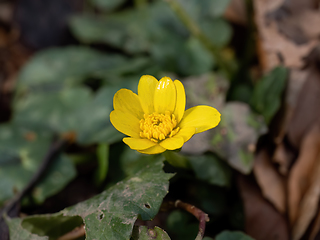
[199, 214]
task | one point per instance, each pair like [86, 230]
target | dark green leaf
[228, 235]
[182, 225]
[266, 98]
[211, 169]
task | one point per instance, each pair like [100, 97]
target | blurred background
[256, 61]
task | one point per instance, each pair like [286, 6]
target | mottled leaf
[236, 136]
[16, 231]
[111, 214]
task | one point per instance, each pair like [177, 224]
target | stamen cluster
[157, 126]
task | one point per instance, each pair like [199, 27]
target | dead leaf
[309, 203]
[300, 177]
[283, 157]
[270, 181]
[236, 12]
[306, 111]
[315, 227]
[301, 26]
[274, 48]
[263, 221]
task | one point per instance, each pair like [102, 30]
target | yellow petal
[172, 143]
[186, 133]
[146, 88]
[165, 96]
[200, 117]
[125, 123]
[127, 101]
[138, 143]
[153, 150]
[181, 101]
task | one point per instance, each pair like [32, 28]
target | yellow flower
[155, 120]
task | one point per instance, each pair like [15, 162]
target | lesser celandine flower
[155, 120]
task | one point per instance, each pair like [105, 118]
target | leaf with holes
[111, 214]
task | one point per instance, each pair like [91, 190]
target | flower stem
[176, 159]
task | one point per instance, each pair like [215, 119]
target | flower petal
[146, 89]
[186, 133]
[153, 150]
[181, 101]
[201, 117]
[138, 143]
[125, 123]
[128, 102]
[172, 143]
[165, 96]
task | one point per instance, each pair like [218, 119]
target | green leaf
[217, 30]
[71, 110]
[23, 150]
[266, 97]
[181, 56]
[107, 6]
[211, 169]
[61, 172]
[16, 231]
[125, 30]
[204, 8]
[236, 135]
[56, 68]
[111, 214]
[235, 235]
[145, 233]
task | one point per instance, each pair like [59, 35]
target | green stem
[176, 159]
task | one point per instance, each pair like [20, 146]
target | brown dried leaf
[236, 12]
[270, 181]
[263, 222]
[315, 227]
[301, 175]
[309, 204]
[274, 47]
[306, 111]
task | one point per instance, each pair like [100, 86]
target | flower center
[158, 126]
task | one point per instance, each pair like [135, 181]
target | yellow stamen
[158, 127]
